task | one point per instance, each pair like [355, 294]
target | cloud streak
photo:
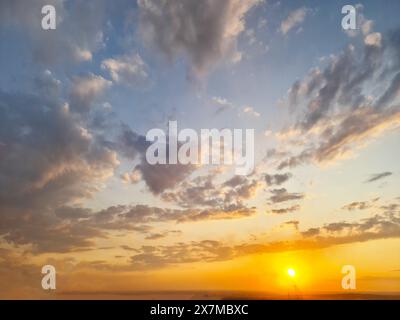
[379, 176]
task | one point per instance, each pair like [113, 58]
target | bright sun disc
[291, 272]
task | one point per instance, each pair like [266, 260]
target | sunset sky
[76, 103]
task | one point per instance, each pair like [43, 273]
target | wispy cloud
[379, 176]
[294, 19]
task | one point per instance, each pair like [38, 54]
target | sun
[291, 273]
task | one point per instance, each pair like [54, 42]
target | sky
[76, 191]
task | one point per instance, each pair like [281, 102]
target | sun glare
[291, 272]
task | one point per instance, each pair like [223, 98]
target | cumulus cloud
[77, 36]
[50, 158]
[59, 149]
[86, 90]
[129, 70]
[203, 32]
[364, 26]
[131, 177]
[250, 111]
[294, 19]
[373, 39]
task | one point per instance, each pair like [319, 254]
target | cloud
[250, 111]
[282, 195]
[222, 104]
[311, 232]
[161, 256]
[379, 176]
[286, 210]
[157, 177]
[77, 36]
[129, 70]
[382, 226]
[335, 116]
[262, 23]
[86, 90]
[378, 227]
[137, 217]
[131, 177]
[61, 151]
[162, 235]
[364, 25]
[71, 213]
[203, 32]
[73, 229]
[339, 139]
[50, 158]
[18, 277]
[294, 19]
[293, 223]
[277, 179]
[203, 192]
[373, 39]
[161, 177]
[360, 205]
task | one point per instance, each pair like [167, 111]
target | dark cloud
[129, 248]
[158, 177]
[311, 232]
[282, 195]
[293, 223]
[379, 176]
[72, 213]
[357, 205]
[202, 32]
[360, 205]
[162, 235]
[286, 210]
[277, 179]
